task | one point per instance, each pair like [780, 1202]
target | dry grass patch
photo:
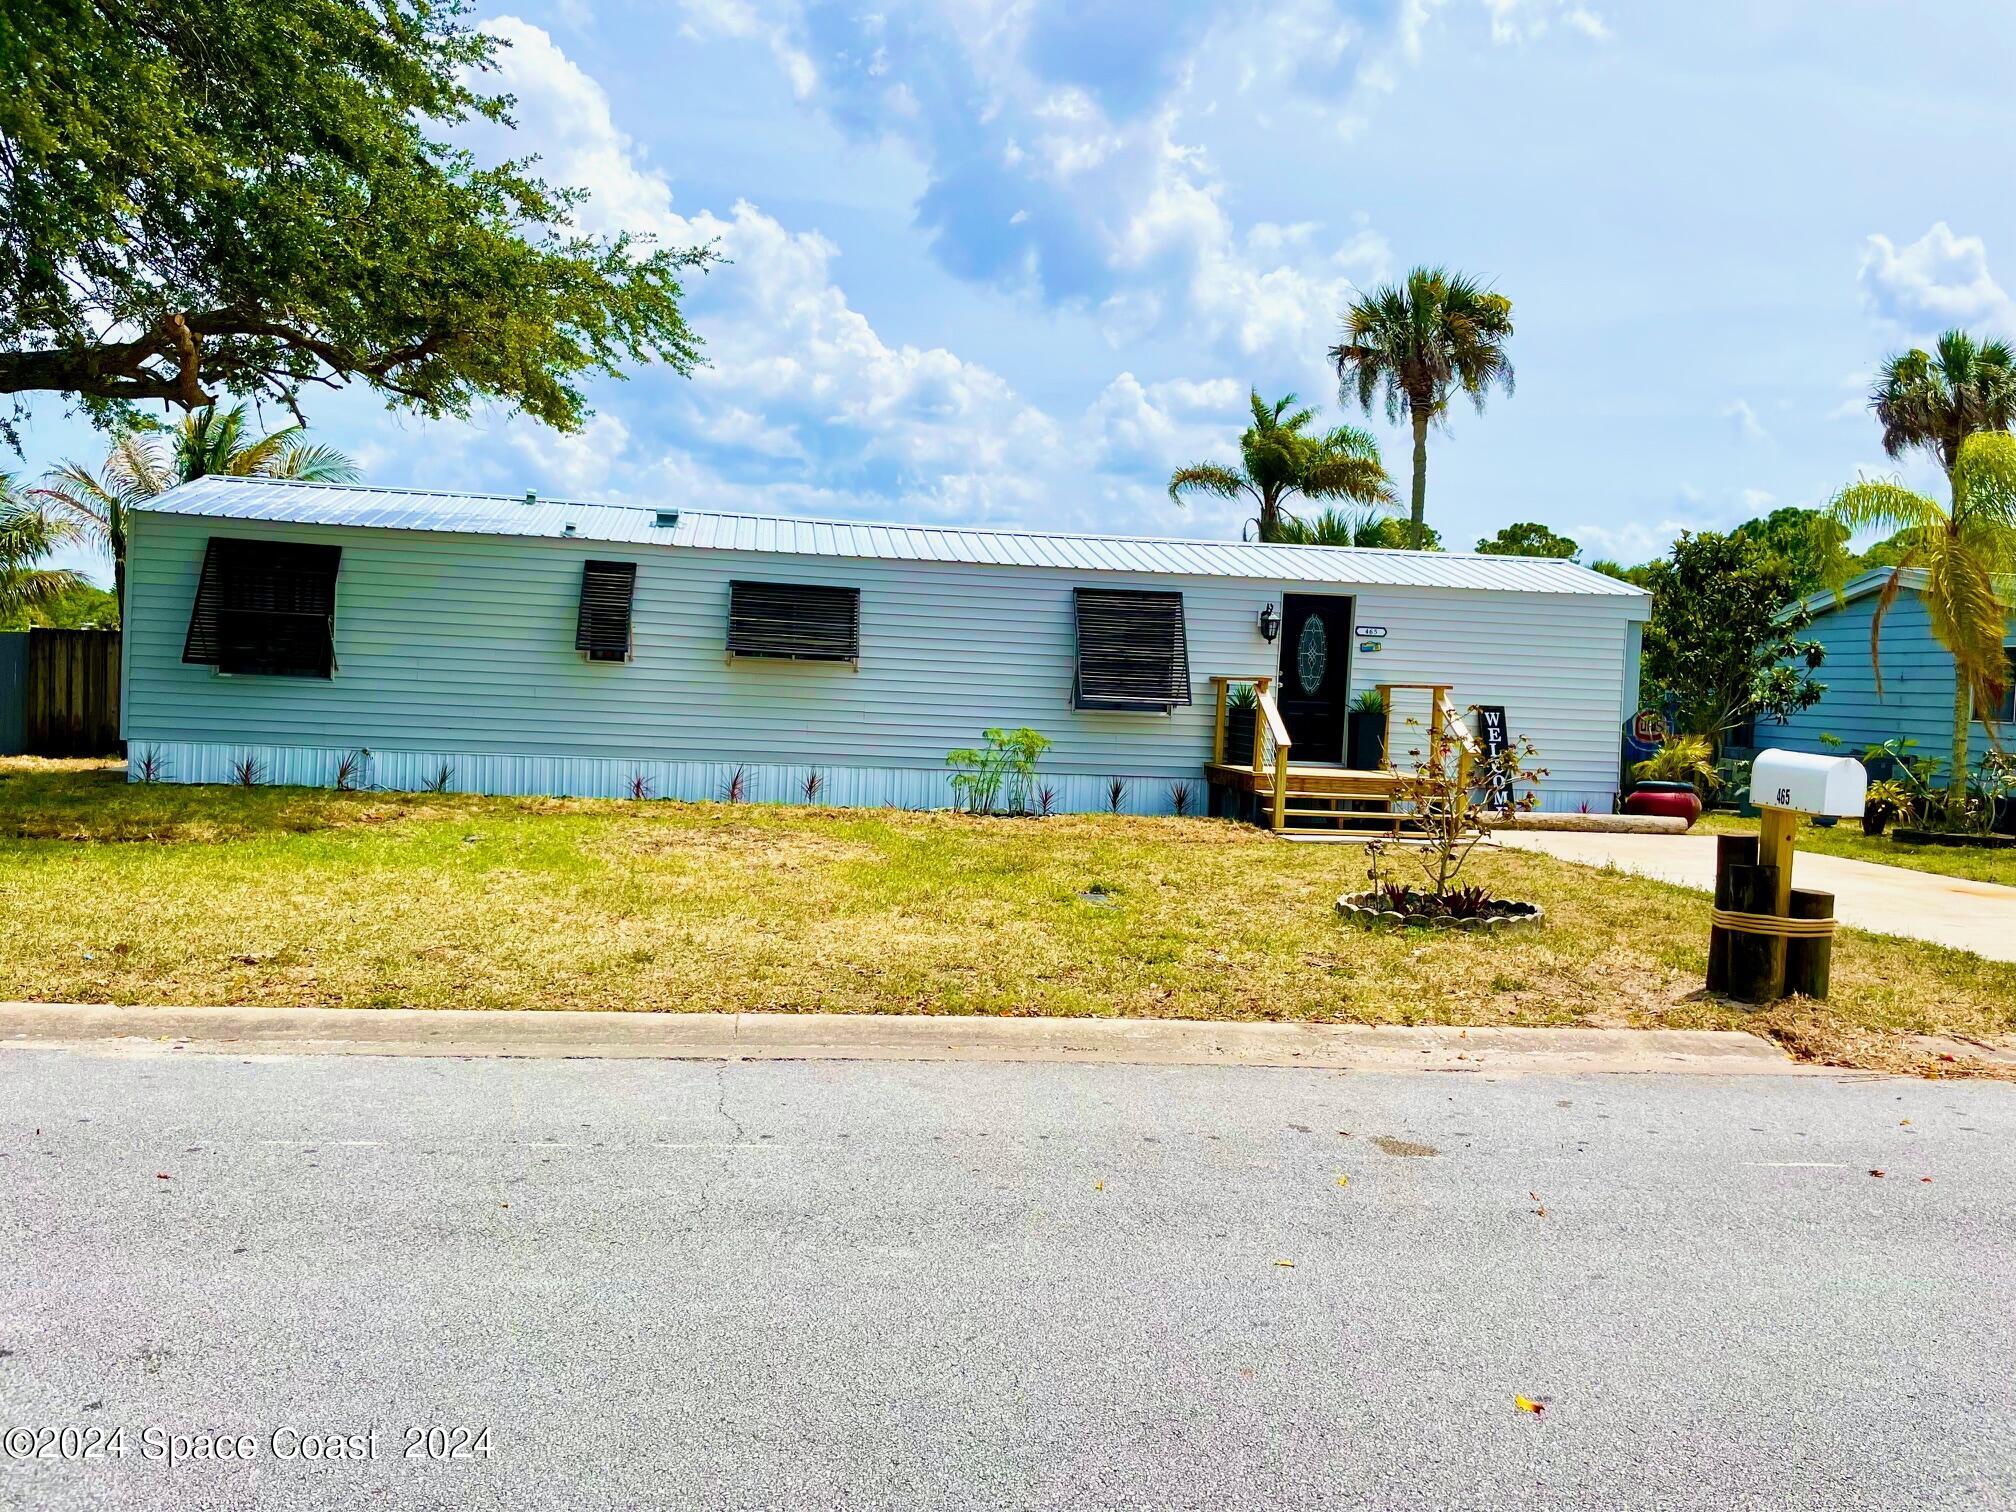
[280, 896]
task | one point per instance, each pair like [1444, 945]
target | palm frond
[1212, 478]
[1884, 503]
[312, 463]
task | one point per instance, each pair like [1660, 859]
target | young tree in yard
[143, 464]
[1280, 461]
[27, 535]
[1967, 550]
[1529, 539]
[1419, 344]
[1716, 640]
[206, 197]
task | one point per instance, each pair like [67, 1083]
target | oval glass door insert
[1312, 655]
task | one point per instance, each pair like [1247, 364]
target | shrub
[1370, 701]
[1116, 793]
[150, 765]
[736, 788]
[1179, 798]
[813, 785]
[248, 771]
[1681, 758]
[996, 778]
[443, 775]
[640, 786]
[1046, 800]
[350, 770]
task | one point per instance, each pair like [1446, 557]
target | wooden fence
[70, 703]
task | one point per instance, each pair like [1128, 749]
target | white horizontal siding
[462, 646]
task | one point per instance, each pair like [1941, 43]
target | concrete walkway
[532, 1034]
[1976, 916]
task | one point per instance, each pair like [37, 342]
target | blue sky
[1010, 261]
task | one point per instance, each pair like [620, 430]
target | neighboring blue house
[1917, 697]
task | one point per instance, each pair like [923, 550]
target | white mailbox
[1808, 784]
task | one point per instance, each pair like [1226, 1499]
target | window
[265, 608]
[602, 629]
[796, 621]
[1131, 650]
[2008, 713]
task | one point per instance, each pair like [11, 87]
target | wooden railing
[1270, 740]
[1446, 728]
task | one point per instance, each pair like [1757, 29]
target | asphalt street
[807, 1284]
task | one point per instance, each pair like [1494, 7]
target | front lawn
[1847, 839]
[138, 894]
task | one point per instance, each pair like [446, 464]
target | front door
[1315, 674]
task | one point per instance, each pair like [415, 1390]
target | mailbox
[1808, 784]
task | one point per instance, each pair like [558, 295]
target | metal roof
[270, 499]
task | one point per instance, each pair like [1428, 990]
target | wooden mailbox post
[1768, 937]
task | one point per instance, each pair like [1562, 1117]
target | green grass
[1847, 839]
[119, 893]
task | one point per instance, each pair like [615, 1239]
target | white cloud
[1934, 283]
[1528, 20]
[1744, 421]
[740, 20]
[798, 379]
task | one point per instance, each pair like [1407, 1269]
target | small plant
[640, 786]
[1681, 758]
[350, 770]
[1179, 798]
[1370, 701]
[1242, 696]
[1116, 793]
[248, 771]
[1046, 800]
[443, 775]
[150, 765]
[813, 785]
[997, 778]
[736, 788]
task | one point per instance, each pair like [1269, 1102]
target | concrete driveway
[1976, 916]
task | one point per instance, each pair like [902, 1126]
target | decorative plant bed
[1384, 909]
[1960, 839]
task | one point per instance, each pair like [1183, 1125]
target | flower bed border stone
[1368, 911]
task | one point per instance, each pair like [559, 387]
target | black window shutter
[265, 608]
[797, 621]
[603, 628]
[200, 645]
[1132, 652]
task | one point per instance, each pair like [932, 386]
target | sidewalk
[896, 1037]
[1893, 900]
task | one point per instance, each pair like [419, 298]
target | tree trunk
[1963, 716]
[1417, 535]
[119, 586]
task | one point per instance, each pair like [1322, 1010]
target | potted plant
[1365, 732]
[1887, 799]
[1666, 782]
[1242, 707]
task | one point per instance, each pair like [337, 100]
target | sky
[1010, 262]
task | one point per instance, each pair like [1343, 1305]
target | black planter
[1365, 737]
[1239, 736]
[1875, 821]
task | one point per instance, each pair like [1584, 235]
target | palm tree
[1418, 344]
[27, 534]
[141, 465]
[1967, 551]
[1278, 461]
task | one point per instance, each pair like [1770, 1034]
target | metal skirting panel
[505, 775]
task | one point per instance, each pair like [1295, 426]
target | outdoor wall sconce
[1270, 623]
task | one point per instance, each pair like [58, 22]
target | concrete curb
[109, 1029]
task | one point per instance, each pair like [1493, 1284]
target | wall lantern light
[1270, 623]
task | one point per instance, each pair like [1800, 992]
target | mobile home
[287, 632]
